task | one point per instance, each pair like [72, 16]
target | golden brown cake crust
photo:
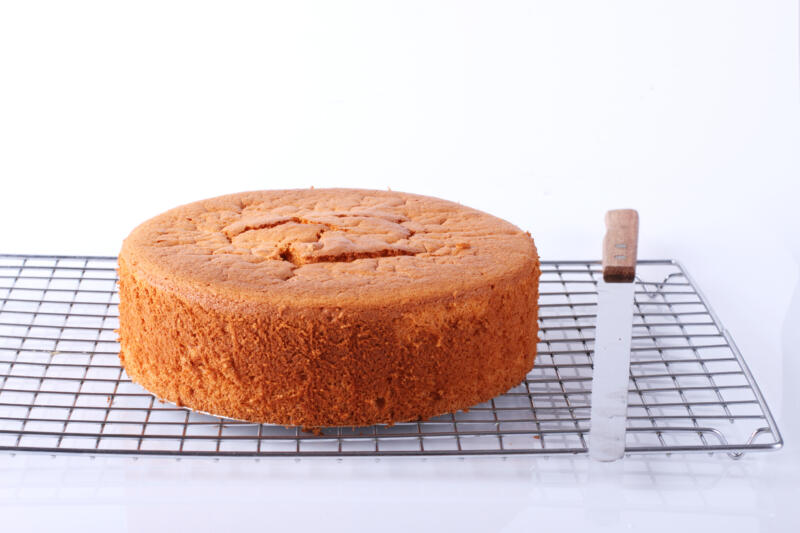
[320, 307]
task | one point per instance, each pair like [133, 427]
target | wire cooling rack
[62, 388]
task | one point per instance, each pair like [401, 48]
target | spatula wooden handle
[620, 245]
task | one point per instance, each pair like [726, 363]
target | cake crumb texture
[327, 307]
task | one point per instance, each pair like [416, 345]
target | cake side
[321, 365]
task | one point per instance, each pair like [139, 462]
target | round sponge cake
[327, 307]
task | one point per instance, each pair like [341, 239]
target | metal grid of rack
[62, 389]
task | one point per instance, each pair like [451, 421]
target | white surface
[545, 113]
[612, 361]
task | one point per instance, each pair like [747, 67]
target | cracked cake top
[326, 246]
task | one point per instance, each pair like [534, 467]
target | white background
[543, 113]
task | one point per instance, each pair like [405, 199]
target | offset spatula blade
[612, 349]
[612, 346]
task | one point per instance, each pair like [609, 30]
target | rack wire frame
[62, 389]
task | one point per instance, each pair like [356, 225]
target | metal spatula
[612, 345]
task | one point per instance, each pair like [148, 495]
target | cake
[327, 307]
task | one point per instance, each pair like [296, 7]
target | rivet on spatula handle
[620, 246]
